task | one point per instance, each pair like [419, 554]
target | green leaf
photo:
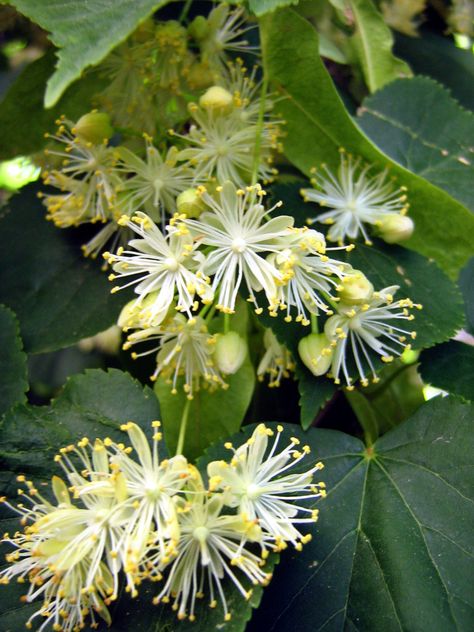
[419, 279]
[466, 283]
[212, 415]
[23, 119]
[382, 406]
[260, 7]
[57, 294]
[314, 392]
[13, 371]
[317, 125]
[436, 146]
[84, 32]
[439, 57]
[373, 43]
[94, 404]
[450, 366]
[393, 546]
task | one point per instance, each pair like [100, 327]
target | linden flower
[308, 275]
[63, 565]
[163, 264]
[357, 329]
[354, 198]
[240, 237]
[151, 486]
[221, 32]
[257, 482]
[277, 360]
[185, 348]
[154, 183]
[90, 164]
[222, 146]
[210, 548]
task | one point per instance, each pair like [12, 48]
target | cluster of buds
[127, 515]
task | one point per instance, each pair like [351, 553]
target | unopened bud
[230, 352]
[190, 203]
[199, 28]
[200, 76]
[395, 228]
[316, 353]
[356, 288]
[94, 127]
[216, 99]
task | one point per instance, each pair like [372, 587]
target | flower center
[171, 264]
[200, 534]
[253, 491]
[239, 245]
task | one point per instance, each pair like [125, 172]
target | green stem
[185, 11]
[314, 324]
[258, 138]
[182, 427]
[226, 323]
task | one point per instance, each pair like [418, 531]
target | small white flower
[241, 238]
[258, 482]
[211, 548]
[163, 264]
[185, 349]
[155, 182]
[277, 360]
[354, 197]
[151, 488]
[221, 33]
[222, 146]
[308, 275]
[87, 172]
[356, 330]
[68, 555]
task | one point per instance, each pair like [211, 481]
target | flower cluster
[127, 515]
[233, 246]
[185, 220]
[356, 197]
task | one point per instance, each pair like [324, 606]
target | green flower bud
[230, 352]
[395, 228]
[355, 288]
[316, 353]
[190, 203]
[94, 127]
[216, 99]
[199, 28]
[200, 76]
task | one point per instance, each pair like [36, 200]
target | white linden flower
[211, 548]
[277, 360]
[91, 165]
[61, 554]
[222, 146]
[357, 329]
[185, 348]
[151, 486]
[241, 238]
[155, 182]
[354, 198]
[163, 264]
[258, 483]
[309, 275]
[221, 33]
